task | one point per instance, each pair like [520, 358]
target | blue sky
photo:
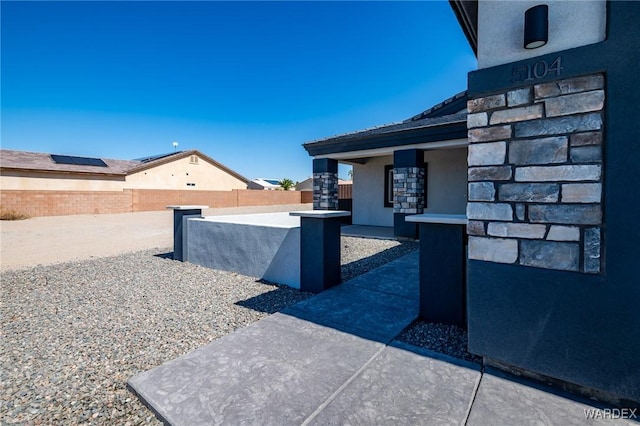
[244, 82]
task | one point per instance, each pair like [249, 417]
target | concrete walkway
[332, 360]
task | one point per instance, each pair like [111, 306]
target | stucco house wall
[35, 181]
[446, 186]
[446, 181]
[500, 26]
[185, 173]
[368, 193]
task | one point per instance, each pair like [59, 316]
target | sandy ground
[54, 239]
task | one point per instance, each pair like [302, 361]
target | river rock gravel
[73, 333]
[446, 339]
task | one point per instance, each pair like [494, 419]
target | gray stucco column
[442, 268]
[325, 184]
[319, 249]
[179, 214]
[408, 190]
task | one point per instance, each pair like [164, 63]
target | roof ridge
[438, 109]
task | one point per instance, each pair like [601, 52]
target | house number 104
[537, 70]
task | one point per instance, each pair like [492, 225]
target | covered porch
[413, 167]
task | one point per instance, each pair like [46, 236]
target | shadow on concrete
[279, 298]
[375, 306]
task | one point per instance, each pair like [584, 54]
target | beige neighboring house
[305, 185]
[191, 170]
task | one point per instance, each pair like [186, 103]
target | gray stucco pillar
[179, 214]
[319, 249]
[325, 184]
[408, 190]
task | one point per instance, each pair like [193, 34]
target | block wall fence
[58, 203]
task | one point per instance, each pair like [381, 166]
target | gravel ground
[446, 339]
[360, 255]
[74, 333]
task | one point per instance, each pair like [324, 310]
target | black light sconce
[536, 26]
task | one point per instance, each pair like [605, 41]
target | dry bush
[12, 215]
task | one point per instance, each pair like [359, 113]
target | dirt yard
[54, 239]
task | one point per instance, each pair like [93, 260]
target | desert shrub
[12, 215]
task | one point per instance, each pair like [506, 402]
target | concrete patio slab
[408, 386]
[363, 312]
[331, 360]
[385, 280]
[276, 371]
[503, 399]
[377, 305]
[280, 369]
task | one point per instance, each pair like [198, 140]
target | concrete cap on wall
[187, 207]
[321, 214]
[449, 219]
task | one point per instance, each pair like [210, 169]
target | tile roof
[452, 105]
[396, 127]
[451, 110]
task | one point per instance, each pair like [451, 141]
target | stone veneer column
[535, 175]
[325, 184]
[408, 190]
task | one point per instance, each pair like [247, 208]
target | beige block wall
[176, 175]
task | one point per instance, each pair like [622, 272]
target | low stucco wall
[266, 246]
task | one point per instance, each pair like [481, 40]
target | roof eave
[466, 12]
[64, 172]
[447, 131]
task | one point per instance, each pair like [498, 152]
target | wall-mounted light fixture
[536, 26]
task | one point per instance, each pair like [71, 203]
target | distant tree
[350, 173]
[286, 184]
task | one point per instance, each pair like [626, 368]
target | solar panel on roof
[155, 157]
[78, 161]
